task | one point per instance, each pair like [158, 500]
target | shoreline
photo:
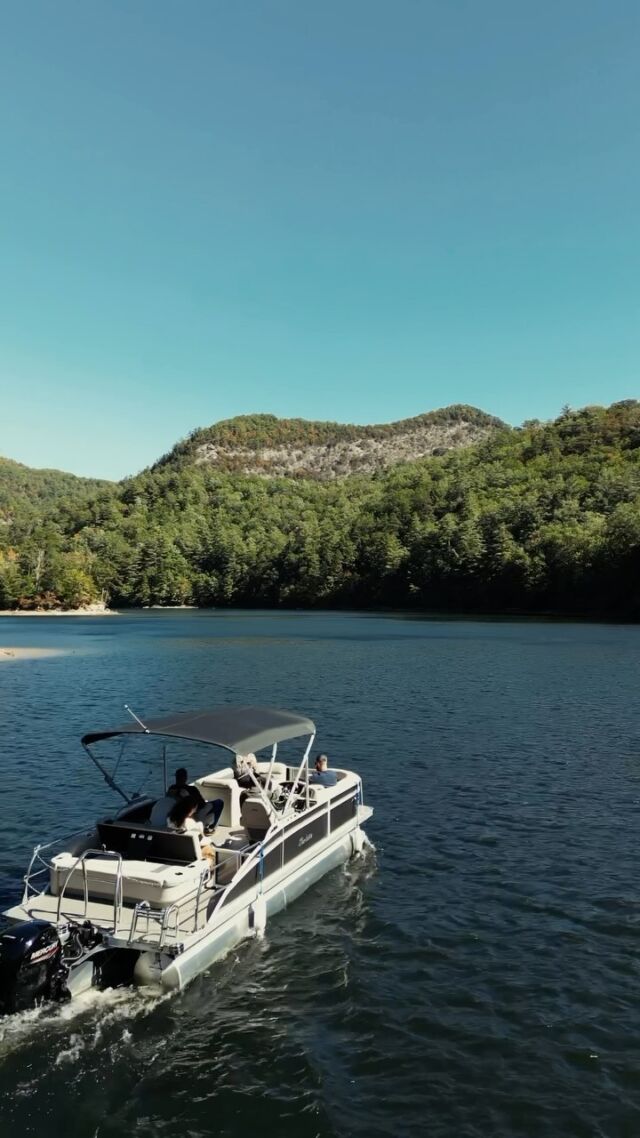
[59, 612]
[543, 616]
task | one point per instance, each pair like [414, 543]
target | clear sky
[353, 209]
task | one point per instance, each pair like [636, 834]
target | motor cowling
[32, 968]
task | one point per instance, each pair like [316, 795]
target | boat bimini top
[240, 730]
[237, 729]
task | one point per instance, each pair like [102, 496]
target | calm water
[477, 975]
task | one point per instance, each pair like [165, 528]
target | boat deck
[149, 929]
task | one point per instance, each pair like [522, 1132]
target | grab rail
[174, 919]
[164, 914]
[176, 912]
[45, 866]
[117, 895]
[143, 909]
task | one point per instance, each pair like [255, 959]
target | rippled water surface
[476, 975]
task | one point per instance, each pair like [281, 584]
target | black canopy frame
[240, 730]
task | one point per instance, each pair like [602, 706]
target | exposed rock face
[271, 447]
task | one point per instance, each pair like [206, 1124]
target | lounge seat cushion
[141, 880]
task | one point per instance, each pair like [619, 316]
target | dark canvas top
[238, 729]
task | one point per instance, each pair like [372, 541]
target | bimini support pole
[274, 752]
[105, 774]
[261, 791]
[137, 718]
[303, 764]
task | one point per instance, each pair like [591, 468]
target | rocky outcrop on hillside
[271, 447]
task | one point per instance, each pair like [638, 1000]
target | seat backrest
[160, 812]
[147, 844]
[255, 818]
[278, 773]
[319, 793]
[228, 790]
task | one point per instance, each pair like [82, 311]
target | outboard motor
[32, 968]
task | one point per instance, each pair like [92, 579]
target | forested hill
[543, 518]
[266, 445]
[27, 494]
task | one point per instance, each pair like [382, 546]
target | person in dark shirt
[207, 812]
[322, 776]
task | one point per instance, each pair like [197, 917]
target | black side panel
[314, 812]
[343, 812]
[272, 861]
[245, 883]
[305, 837]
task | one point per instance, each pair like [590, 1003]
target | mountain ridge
[270, 446]
[458, 424]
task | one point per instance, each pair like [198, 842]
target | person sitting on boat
[206, 812]
[245, 770]
[322, 776]
[181, 819]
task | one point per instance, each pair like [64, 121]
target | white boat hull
[225, 933]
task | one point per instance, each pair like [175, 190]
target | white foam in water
[72, 1053]
[362, 864]
[109, 1007]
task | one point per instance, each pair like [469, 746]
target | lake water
[477, 975]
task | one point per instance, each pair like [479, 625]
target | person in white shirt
[243, 768]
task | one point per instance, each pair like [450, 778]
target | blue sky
[348, 210]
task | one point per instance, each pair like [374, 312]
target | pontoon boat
[130, 901]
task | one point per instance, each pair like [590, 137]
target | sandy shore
[28, 653]
[58, 612]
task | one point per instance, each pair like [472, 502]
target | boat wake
[92, 1013]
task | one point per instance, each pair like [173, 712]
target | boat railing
[117, 892]
[162, 917]
[39, 868]
[187, 915]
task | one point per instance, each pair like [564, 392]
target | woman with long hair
[181, 820]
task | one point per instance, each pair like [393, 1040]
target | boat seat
[227, 774]
[319, 793]
[215, 786]
[145, 843]
[255, 818]
[160, 812]
[156, 883]
[279, 772]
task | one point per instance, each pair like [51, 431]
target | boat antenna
[137, 719]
